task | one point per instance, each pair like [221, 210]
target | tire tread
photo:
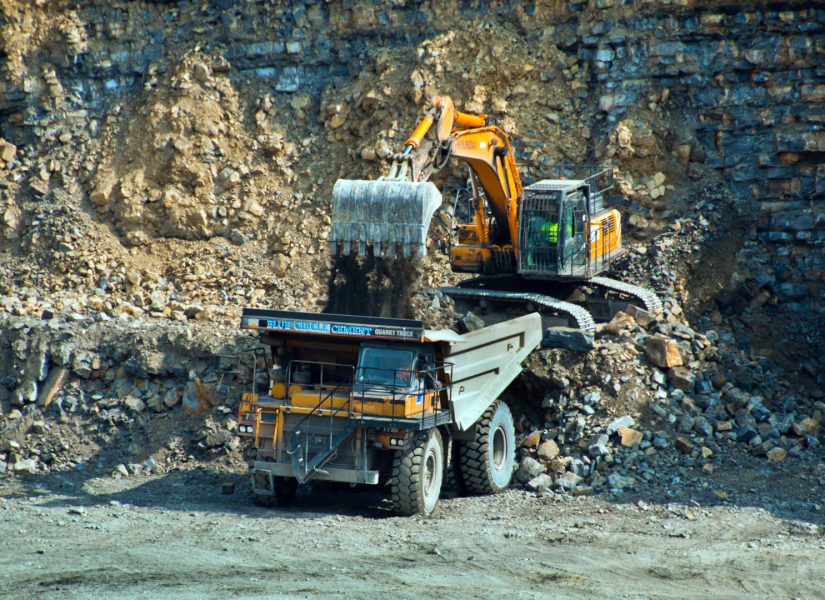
[405, 482]
[474, 466]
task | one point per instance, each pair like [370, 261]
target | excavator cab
[554, 227]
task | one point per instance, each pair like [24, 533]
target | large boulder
[470, 322]
[616, 424]
[26, 392]
[529, 469]
[663, 352]
[566, 337]
[681, 379]
[548, 450]
[198, 398]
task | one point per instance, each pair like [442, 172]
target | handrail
[254, 353]
[403, 391]
[396, 391]
[260, 410]
[337, 388]
[348, 382]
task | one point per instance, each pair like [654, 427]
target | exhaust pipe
[384, 214]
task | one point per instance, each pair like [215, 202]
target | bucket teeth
[378, 212]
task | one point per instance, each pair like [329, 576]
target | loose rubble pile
[129, 396]
[678, 411]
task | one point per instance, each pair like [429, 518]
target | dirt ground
[177, 536]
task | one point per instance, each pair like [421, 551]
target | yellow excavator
[528, 245]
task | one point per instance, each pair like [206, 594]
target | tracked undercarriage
[597, 299]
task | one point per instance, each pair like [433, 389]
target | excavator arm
[397, 208]
[487, 152]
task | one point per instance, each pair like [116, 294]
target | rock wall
[748, 80]
[739, 87]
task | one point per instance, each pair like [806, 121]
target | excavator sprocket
[382, 213]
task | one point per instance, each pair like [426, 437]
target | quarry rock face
[662, 91]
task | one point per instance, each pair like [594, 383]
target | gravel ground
[87, 535]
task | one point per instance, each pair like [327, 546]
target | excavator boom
[396, 209]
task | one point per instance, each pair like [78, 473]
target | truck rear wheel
[283, 494]
[487, 461]
[417, 472]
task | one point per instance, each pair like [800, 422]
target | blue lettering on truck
[307, 326]
[312, 327]
[336, 328]
[351, 330]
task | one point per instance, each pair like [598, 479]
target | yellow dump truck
[369, 400]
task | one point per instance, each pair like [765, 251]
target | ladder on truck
[315, 440]
[312, 445]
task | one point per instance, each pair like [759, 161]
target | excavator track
[583, 317]
[650, 299]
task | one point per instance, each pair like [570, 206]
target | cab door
[574, 234]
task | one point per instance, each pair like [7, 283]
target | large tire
[285, 490]
[487, 460]
[417, 473]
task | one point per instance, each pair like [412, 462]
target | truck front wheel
[487, 460]
[417, 472]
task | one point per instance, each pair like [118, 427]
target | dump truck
[380, 401]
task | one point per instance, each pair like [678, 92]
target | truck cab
[389, 369]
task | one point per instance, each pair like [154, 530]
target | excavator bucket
[383, 214]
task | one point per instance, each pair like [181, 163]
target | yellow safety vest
[551, 231]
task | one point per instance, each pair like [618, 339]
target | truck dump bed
[486, 361]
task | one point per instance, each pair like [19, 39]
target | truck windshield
[382, 366]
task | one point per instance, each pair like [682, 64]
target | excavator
[530, 246]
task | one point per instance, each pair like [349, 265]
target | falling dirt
[377, 287]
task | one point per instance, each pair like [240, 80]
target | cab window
[386, 367]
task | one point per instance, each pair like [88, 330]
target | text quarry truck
[371, 400]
